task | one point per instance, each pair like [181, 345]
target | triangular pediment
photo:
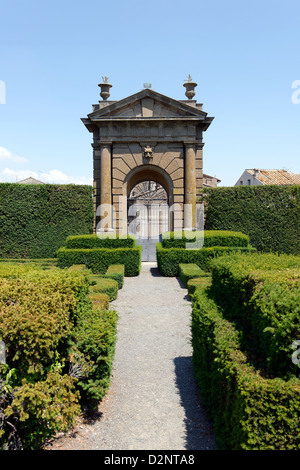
[147, 104]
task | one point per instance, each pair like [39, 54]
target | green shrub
[268, 214]
[195, 285]
[189, 271]
[36, 219]
[43, 408]
[206, 238]
[105, 286]
[261, 294]
[117, 272]
[44, 263]
[95, 337]
[248, 411]
[38, 310]
[95, 241]
[57, 345]
[168, 259]
[100, 301]
[99, 259]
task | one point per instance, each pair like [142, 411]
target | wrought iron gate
[148, 216]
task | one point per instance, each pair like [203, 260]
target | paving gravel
[153, 401]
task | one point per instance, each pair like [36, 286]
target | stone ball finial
[105, 87]
[190, 87]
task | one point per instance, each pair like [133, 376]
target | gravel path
[153, 401]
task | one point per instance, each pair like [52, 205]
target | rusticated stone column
[105, 187]
[190, 186]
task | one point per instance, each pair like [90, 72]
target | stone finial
[190, 87]
[105, 87]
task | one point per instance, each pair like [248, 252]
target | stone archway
[142, 174]
[148, 215]
[149, 191]
[146, 136]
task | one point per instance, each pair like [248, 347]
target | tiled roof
[275, 176]
[30, 180]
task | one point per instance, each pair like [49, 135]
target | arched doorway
[149, 191]
[148, 210]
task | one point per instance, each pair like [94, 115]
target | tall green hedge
[36, 219]
[268, 214]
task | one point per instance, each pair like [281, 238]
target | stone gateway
[146, 137]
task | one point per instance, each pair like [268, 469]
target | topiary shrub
[99, 259]
[100, 301]
[169, 259]
[248, 411]
[95, 337]
[206, 238]
[57, 345]
[90, 241]
[195, 285]
[189, 271]
[105, 286]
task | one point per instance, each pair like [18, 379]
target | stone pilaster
[190, 186]
[105, 187]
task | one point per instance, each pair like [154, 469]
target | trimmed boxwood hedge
[99, 259]
[117, 272]
[95, 338]
[268, 214]
[36, 219]
[99, 300]
[105, 286]
[261, 294]
[209, 238]
[189, 271]
[96, 241]
[248, 411]
[168, 259]
[196, 284]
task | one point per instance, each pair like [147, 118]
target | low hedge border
[261, 295]
[104, 241]
[117, 272]
[168, 259]
[196, 285]
[248, 411]
[99, 259]
[105, 286]
[100, 300]
[189, 271]
[209, 237]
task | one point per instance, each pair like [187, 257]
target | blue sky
[244, 55]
